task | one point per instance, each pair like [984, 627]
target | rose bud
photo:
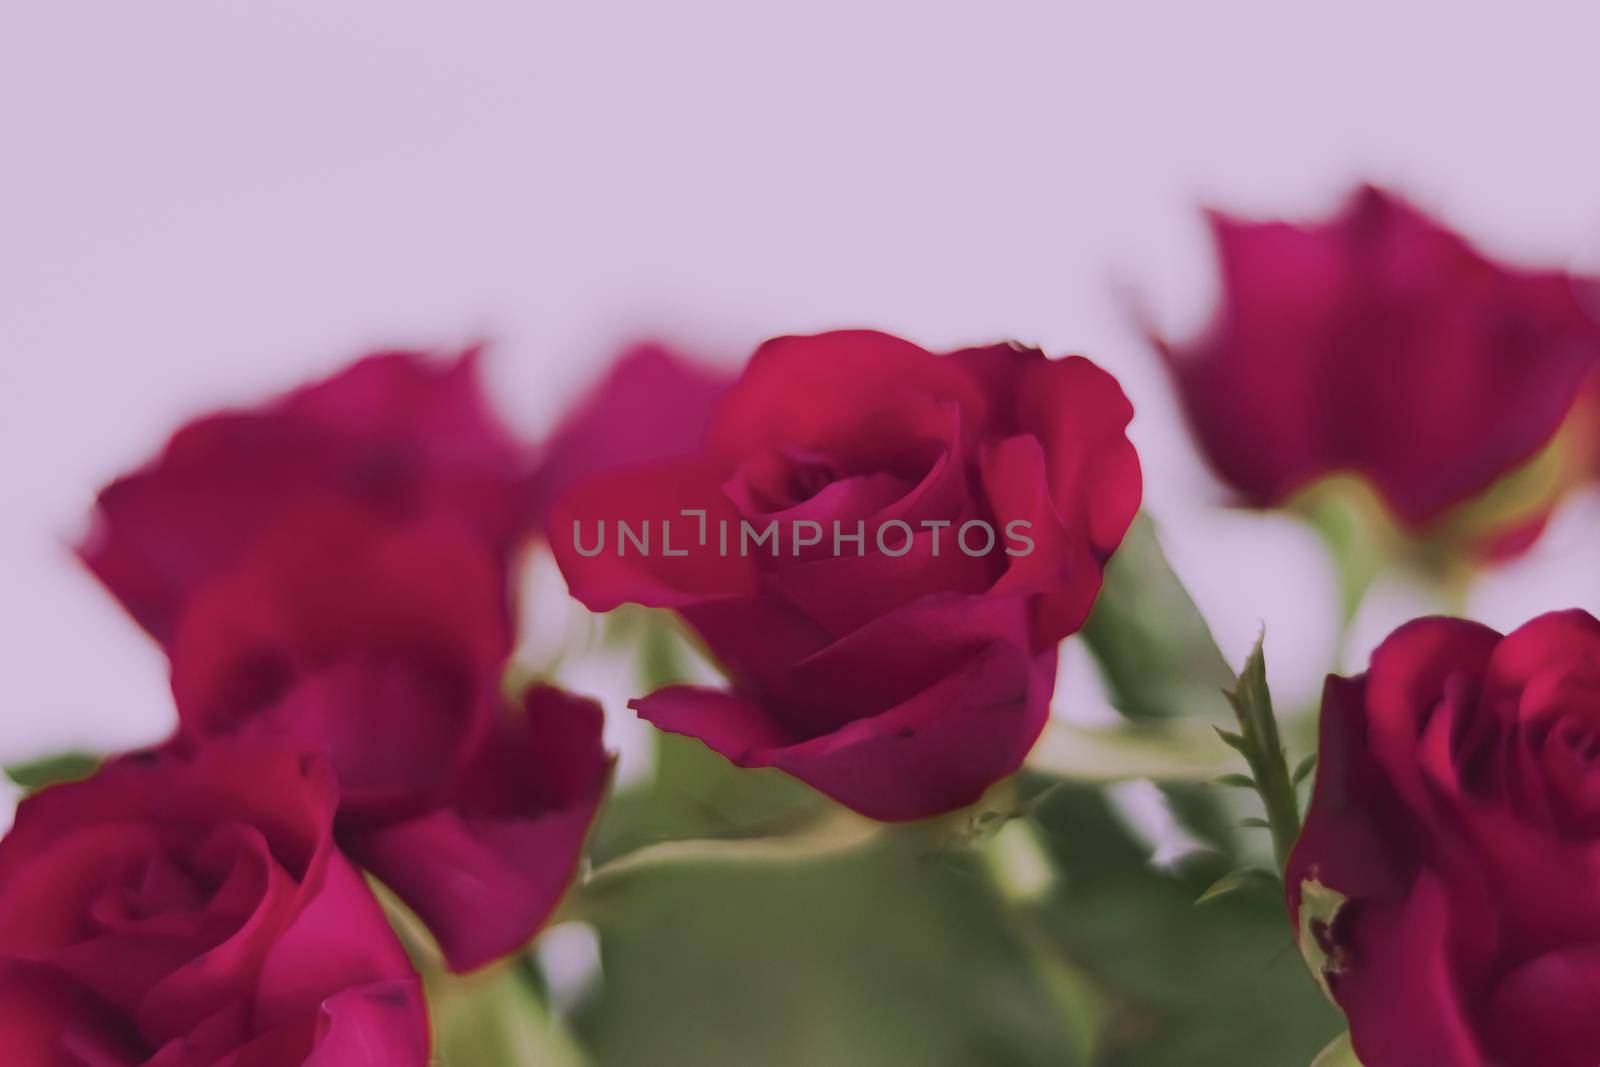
[882, 547]
[1381, 345]
[398, 434]
[383, 645]
[1444, 885]
[196, 912]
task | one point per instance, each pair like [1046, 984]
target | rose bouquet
[848, 584]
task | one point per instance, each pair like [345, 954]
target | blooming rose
[1457, 817]
[187, 913]
[905, 668]
[397, 433]
[382, 644]
[1379, 344]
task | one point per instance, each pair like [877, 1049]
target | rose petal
[485, 870]
[652, 405]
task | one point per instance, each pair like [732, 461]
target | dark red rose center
[808, 477]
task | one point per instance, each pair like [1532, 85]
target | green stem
[1261, 745]
[1283, 811]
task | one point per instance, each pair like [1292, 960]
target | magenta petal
[1408, 678]
[603, 571]
[735, 728]
[844, 392]
[879, 585]
[398, 435]
[485, 871]
[482, 886]
[652, 405]
[1348, 841]
[380, 1025]
[933, 753]
[48, 1020]
[1080, 415]
[1557, 639]
[1400, 992]
[344, 931]
[1544, 1011]
[1381, 343]
[939, 750]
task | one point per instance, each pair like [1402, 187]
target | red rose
[382, 645]
[1457, 812]
[187, 913]
[398, 434]
[1383, 345]
[652, 405]
[903, 669]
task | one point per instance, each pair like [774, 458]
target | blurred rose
[653, 404]
[1457, 810]
[382, 644]
[899, 673]
[188, 913]
[1383, 345]
[398, 434]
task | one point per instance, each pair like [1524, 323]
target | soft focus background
[202, 202]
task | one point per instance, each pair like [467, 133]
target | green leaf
[1254, 823]
[495, 1017]
[697, 794]
[1243, 878]
[1234, 781]
[1338, 1054]
[1183, 986]
[878, 955]
[1233, 741]
[842, 831]
[1303, 770]
[1154, 649]
[62, 767]
[1159, 662]
[1163, 751]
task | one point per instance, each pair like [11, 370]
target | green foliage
[1240, 878]
[493, 1018]
[1259, 743]
[694, 794]
[1154, 649]
[1183, 986]
[1303, 770]
[897, 947]
[744, 919]
[1338, 1054]
[1175, 750]
[62, 767]
[891, 953]
[1164, 671]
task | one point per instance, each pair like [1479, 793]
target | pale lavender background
[201, 201]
